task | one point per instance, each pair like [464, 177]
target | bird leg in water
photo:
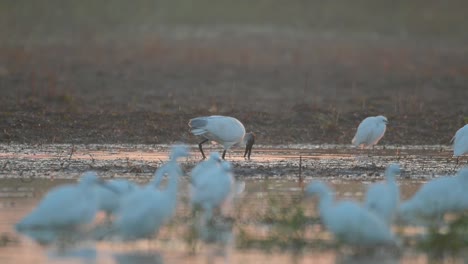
[248, 149]
[224, 154]
[370, 151]
[201, 148]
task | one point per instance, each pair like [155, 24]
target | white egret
[382, 198]
[348, 221]
[109, 201]
[460, 142]
[370, 131]
[144, 211]
[200, 169]
[436, 198]
[212, 188]
[65, 207]
[224, 130]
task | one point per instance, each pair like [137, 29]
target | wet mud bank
[291, 162]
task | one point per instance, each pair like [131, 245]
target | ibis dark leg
[224, 153]
[248, 151]
[201, 148]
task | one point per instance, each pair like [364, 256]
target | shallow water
[272, 183]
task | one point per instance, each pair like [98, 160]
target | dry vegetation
[117, 78]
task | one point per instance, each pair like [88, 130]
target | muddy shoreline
[138, 162]
[287, 89]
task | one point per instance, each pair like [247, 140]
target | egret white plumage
[144, 211]
[435, 198]
[370, 131]
[65, 207]
[109, 201]
[460, 142]
[212, 187]
[383, 198]
[225, 130]
[348, 221]
[200, 169]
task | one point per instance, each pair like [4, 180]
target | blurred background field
[49, 19]
[292, 71]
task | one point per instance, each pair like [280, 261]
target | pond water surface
[257, 228]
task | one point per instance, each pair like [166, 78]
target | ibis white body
[69, 206]
[383, 198]
[370, 131]
[348, 221]
[435, 198]
[225, 130]
[460, 142]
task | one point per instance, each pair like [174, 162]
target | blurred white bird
[460, 142]
[65, 207]
[144, 211]
[383, 198]
[436, 198]
[348, 221]
[224, 130]
[212, 187]
[200, 169]
[370, 131]
[109, 201]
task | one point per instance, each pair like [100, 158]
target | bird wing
[198, 125]
[213, 187]
[199, 170]
[363, 130]
[357, 225]
[64, 205]
[382, 200]
[140, 215]
[222, 129]
[460, 141]
[432, 199]
[369, 131]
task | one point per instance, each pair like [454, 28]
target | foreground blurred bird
[383, 198]
[66, 207]
[370, 131]
[435, 198]
[201, 168]
[224, 130]
[348, 221]
[109, 200]
[211, 187]
[144, 211]
[460, 142]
